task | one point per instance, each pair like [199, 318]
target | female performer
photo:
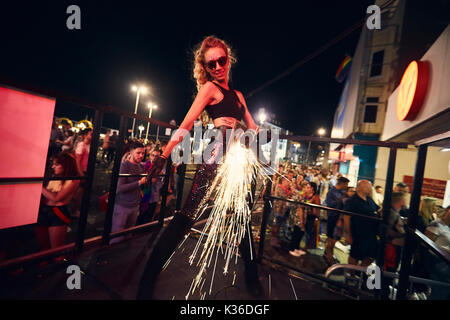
[227, 108]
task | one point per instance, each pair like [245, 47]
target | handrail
[38, 179]
[392, 275]
[444, 255]
[375, 219]
[374, 143]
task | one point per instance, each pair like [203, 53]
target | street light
[262, 116]
[151, 106]
[320, 132]
[141, 127]
[138, 90]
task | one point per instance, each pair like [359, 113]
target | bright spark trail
[230, 190]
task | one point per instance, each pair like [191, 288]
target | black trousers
[297, 236]
[180, 226]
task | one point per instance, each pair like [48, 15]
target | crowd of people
[294, 222]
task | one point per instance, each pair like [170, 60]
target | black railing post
[386, 211]
[90, 179]
[180, 185]
[165, 190]
[114, 180]
[410, 241]
[266, 213]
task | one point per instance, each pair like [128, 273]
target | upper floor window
[377, 63]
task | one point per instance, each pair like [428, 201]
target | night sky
[121, 43]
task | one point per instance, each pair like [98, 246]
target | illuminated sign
[412, 90]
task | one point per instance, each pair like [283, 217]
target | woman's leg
[42, 236]
[57, 235]
[175, 232]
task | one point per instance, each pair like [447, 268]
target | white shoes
[297, 253]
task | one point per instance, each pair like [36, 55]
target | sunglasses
[213, 63]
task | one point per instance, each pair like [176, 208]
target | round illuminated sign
[412, 90]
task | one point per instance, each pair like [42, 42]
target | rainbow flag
[344, 69]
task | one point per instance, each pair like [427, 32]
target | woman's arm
[248, 119]
[203, 98]
[68, 188]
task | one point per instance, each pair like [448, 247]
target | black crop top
[229, 106]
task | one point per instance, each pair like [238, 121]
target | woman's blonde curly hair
[201, 75]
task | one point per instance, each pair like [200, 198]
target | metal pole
[410, 240]
[180, 185]
[148, 123]
[383, 225]
[90, 178]
[114, 180]
[307, 153]
[157, 133]
[266, 213]
[165, 190]
[135, 111]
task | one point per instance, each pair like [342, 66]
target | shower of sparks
[293, 289]
[229, 219]
[270, 287]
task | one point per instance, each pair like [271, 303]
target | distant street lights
[262, 116]
[138, 90]
[151, 106]
[321, 132]
[141, 128]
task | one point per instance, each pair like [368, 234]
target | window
[377, 63]
[370, 115]
[372, 99]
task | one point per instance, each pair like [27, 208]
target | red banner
[430, 187]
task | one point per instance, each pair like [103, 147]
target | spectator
[339, 229]
[82, 158]
[105, 145]
[280, 210]
[378, 196]
[151, 193]
[82, 151]
[53, 217]
[324, 185]
[363, 233]
[401, 187]
[395, 232]
[112, 146]
[439, 270]
[67, 144]
[56, 136]
[332, 201]
[128, 198]
[426, 209]
[312, 214]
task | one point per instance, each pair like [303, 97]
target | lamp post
[320, 132]
[151, 106]
[138, 90]
[141, 127]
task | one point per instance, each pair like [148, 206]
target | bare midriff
[225, 121]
